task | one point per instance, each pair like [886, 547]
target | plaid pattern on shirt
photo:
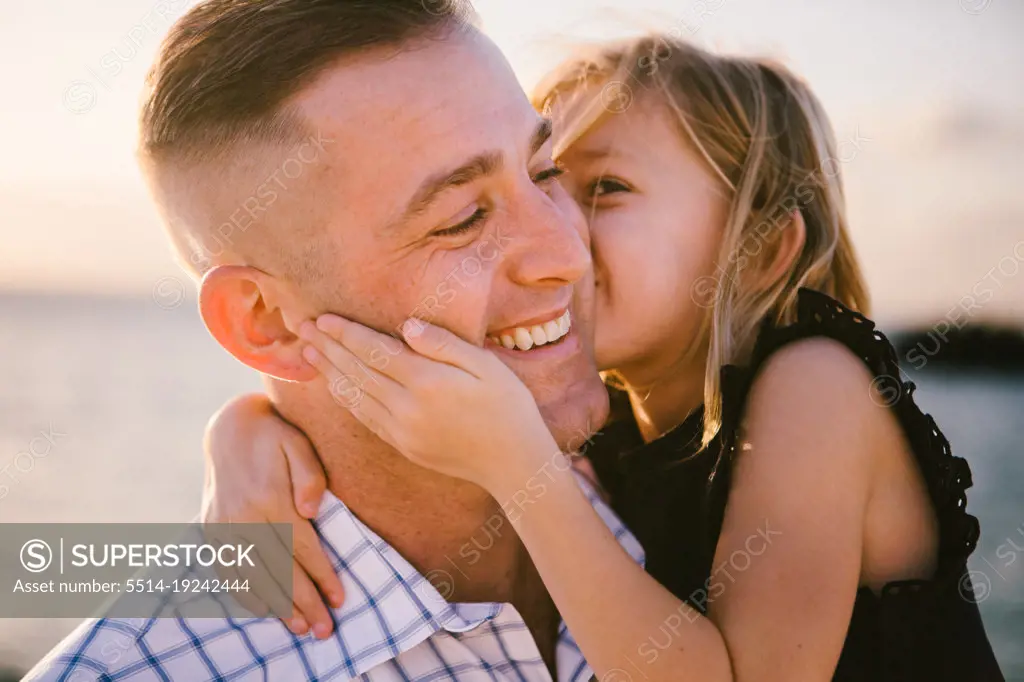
[394, 625]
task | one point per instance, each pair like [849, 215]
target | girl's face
[656, 215]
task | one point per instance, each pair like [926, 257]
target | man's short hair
[227, 66]
[226, 70]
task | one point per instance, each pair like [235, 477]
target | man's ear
[789, 244]
[239, 305]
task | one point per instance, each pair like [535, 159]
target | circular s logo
[617, 97]
[36, 556]
[974, 6]
[168, 293]
[79, 97]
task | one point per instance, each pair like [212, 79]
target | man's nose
[548, 247]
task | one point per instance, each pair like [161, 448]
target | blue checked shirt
[394, 625]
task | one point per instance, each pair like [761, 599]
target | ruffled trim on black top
[947, 476]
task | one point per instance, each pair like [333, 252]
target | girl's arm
[787, 564]
[261, 469]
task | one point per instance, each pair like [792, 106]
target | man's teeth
[525, 338]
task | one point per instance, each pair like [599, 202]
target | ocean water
[124, 387]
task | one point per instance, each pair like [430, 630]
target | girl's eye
[463, 227]
[605, 187]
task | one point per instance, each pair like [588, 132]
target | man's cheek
[446, 293]
[382, 300]
[457, 294]
[428, 309]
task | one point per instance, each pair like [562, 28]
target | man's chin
[565, 383]
[575, 415]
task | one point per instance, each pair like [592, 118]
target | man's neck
[453, 532]
[450, 530]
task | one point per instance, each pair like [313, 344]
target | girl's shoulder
[821, 316]
[828, 351]
[833, 368]
[831, 365]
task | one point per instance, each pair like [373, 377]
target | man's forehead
[428, 96]
[401, 116]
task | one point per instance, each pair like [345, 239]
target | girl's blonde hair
[764, 134]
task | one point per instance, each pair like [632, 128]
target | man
[377, 159]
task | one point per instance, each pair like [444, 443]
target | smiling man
[410, 177]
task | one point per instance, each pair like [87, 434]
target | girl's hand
[445, 404]
[261, 469]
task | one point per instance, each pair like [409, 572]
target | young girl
[802, 518]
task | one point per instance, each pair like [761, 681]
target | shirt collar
[410, 607]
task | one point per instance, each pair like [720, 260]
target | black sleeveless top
[674, 502]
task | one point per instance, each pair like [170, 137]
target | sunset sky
[934, 86]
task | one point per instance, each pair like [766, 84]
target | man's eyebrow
[479, 166]
[474, 169]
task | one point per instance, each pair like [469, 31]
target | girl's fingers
[380, 352]
[309, 605]
[218, 534]
[437, 343]
[349, 378]
[348, 393]
[372, 379]
[266, 586]
[310, 555]
[309, 482]
[248, 600]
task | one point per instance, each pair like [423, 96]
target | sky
[931, 89]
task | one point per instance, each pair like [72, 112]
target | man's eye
[605, 187]
[463, 227]
[549, 174]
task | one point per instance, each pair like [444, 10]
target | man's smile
[550, 329]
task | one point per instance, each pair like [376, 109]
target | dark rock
[10, 675]
[973, 347]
